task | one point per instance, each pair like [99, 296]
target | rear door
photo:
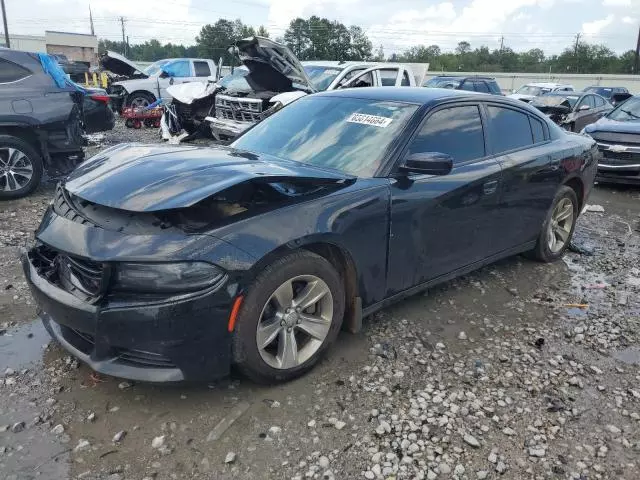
[442, 223]
[520, 143]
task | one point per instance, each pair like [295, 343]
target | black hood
[148, 178]
[272, 66]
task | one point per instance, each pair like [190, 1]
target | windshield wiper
[631, 114]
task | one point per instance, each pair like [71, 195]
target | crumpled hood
[147, 178]
[605, 124]
[263, 56]
[120, 65]
[187, 93]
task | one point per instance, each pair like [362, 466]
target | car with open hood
[141, 86]
[271, 77]
[572, 110]
[170, 263]
[618, 137]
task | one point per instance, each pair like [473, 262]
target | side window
[405, 80]
[388, 77]
[178, 68]
[12, 72]
[362, 81]
[202, 69]
[510, 129]
[587, 100]
[481, 86]
[493, 86]
[467, 85]
[350, 75]
[537, 129]
[599, 101]
[456, 131]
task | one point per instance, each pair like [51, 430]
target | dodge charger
[170, 263]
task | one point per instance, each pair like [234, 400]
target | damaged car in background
[574, 110]
[618, 137]
[168, 263]
[271, 77]
[135, 86]
[43, 119]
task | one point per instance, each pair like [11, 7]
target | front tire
[558, 227]
[289, 317]
[140, 99]
[20, 167]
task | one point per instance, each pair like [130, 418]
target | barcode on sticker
[365, 119]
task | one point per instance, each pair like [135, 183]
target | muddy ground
[520, 371]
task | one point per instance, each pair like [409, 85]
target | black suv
[472, 84]
[42, 125]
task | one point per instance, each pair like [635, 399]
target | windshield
[443, 83]
[347, 134]
[236, 81]
[532, 90]
[554, 100]
[602, 91]
[321, 77]
[629, 110]
[154, 68]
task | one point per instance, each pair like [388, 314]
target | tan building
[79, 47]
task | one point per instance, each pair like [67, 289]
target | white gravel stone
[444, 468]
[323, 462]
[613, 429]
[118, 437]
[58, 429]
[482, 474]
[369, 475]
[508, 431]
[459, 470]
[230, 457]
[339, 425]
[471, 440]
[82, 445]
[537, 452]
[462, 336]
[311, 424]
[158, 442]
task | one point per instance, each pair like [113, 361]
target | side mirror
[164, 74]
[429, 163]
[584, 107]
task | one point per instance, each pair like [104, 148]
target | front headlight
[165, 277]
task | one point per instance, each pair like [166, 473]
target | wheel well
[145, 92]
[24, 133]
[577, 186]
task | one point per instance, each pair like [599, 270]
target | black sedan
[165, 263]
[572, 110]
[618, 137]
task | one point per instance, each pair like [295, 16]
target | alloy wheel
[294, 322]
[16, 169]
[560, 225]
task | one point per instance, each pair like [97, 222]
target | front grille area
[82, 278]
[238, 109]
[63, 206]
[140, 358]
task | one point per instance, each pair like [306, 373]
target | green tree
[262, 32]
[214, 40]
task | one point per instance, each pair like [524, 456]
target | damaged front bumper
[227, 129]
[143, 337]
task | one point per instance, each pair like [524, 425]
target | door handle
[490, 187]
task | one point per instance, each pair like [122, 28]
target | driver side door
[586, 116]
[440, 224]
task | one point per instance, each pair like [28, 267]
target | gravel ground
[519, 371]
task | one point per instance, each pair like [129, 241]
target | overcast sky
[396, 25]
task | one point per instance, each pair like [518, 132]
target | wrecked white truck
[271, 77]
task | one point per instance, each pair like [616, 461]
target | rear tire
[558, 227]
[275, 316]
[21, 167]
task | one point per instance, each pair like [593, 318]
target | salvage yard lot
[519, 370]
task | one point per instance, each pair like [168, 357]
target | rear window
[481, 86]
[511, 129]
[12, 72]
[202, 69]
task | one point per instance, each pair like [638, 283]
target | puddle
[629, 355]
[23, 345]
[576, 312]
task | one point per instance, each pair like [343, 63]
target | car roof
[416, 95]
[566, 94]
[462, 77]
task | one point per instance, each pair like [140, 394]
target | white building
[79, 47]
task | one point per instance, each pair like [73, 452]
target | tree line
[317, 38]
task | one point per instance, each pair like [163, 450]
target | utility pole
[6, 29]
[93, 32]
[124, 42]
[575, 52]
[501, 43]
[636, 63]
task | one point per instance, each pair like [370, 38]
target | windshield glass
[321, 77]
[602, 91]
[443, 83]
[626, 111]
[553, 100]
[347, 134]
[532, 90]
[235, 80]
[154, 68]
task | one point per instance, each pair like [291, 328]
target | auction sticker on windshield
[365, 119]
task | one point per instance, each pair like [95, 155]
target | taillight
[100, 98]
